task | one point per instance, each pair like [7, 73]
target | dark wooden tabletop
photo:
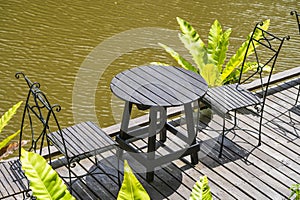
[158, 86]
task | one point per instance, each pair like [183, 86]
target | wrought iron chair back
[39, 114]
[298, 23]
[80, 141]
[294, 12]
[261, 55]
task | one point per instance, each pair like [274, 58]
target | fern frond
[8, 115]
[4, 142]
[180, 60]
[193, 43]
[237, 59]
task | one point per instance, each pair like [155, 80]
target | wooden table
[158, 88]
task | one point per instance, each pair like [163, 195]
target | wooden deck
[245, 171]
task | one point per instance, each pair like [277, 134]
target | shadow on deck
[245, 171]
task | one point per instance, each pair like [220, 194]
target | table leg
[125, 120]
[151, 142]
[163, 121]
[124, 125]
[191, 130]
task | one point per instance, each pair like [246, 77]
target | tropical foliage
[46, 184]
[210, 59]
[44, 181]
[201, 190]
[131, 188]
[5, 147]
[295, 191]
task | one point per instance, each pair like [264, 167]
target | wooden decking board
[168, 187]
[292, 145]
[285, 175]
[235, 178]
[13, 182]
[251, 142]
[222, 171]
[184, 188]
[272, 145]
[176, 188]
[191, 175]
[245, 171]
[161, 186]
[84, 189]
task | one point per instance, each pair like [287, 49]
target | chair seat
[83, 139]
[12, 179]
[226, 98]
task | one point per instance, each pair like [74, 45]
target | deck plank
[245, 171]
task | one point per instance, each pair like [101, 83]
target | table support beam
[191, 130]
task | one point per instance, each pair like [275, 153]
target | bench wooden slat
[82, 138]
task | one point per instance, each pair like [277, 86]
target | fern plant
[295, 191]
[44, 181]
[210, 59]
[201, 190]
[4, 144]
[131, 188]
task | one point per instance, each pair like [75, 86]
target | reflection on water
[50, 40]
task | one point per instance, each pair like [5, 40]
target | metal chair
[81, 141]
[231, 97]
[298, 23]
[294, 12]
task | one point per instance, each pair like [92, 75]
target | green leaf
[223, 46]
[131, 188]
[159, 63]
[211, 74]
[214, 37]
[217, 45]
[237, 59]
[4, 142]
[180, 60]
[201, 190]
[8, 115]
[295, 190]
[44, 181]
[192, 42]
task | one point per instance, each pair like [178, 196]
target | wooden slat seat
[83, 139]
[230, 97]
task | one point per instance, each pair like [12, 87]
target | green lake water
[74, 48]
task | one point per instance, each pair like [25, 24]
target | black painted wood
[87, 136]
[230, 97]
[157, 88]
[164, 86]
